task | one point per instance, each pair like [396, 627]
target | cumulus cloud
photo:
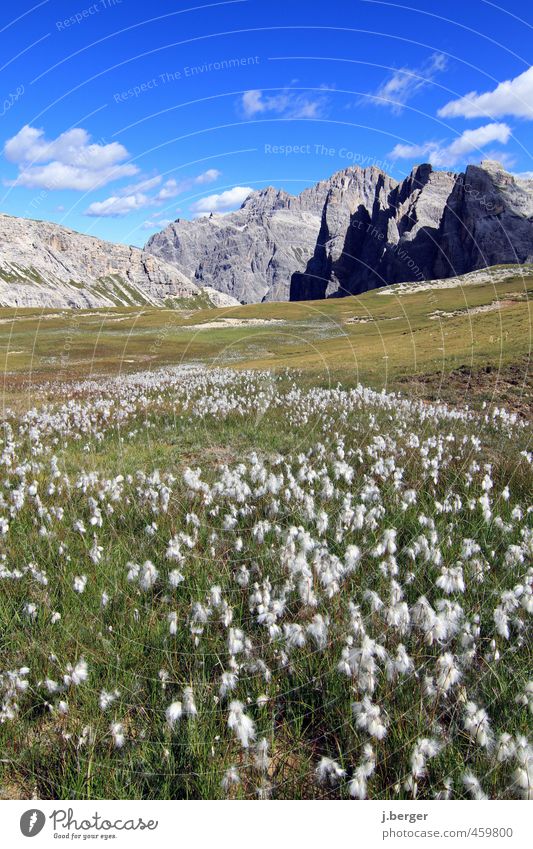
[134, 197]
[156, 225]
[406, 83]
[512, 97]
[70, 161]
[117, 206]
[222, 202]
[440, 154]
[288, 103]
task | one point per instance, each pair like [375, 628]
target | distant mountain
[46, 265]
[356, 231]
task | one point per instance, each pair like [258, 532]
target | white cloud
[172, 187]
[288, 103]
[156, 225]
[441, 155]
[134, 197]
[222, 202]
[406, 83]
[512, 97]
[117, 206]
[70, 161]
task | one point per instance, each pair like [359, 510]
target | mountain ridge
[355, 231]
[43, 264]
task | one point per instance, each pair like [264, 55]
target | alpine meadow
[266, 528]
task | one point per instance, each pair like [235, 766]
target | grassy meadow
[272, 551]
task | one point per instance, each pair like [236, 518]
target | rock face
[357, 231]
[45, 265]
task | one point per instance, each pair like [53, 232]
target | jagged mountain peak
[357, 230]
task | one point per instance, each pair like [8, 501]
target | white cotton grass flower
[55, 617]
[329, 772]
[173, 623]
[175, 578]
[241, 724]
[526, 698]
[446, 791]
[106, 698]
[424, 749]
[30, 610]
[357, 786]
[318, 630]
[117, 732]
[228, 682]
[261, 758]
[76, 674]
[448, 672]
[476, 723]
[79, 584]
[473, 787]
[368, 717]
[173, 713]
[505, 747]
[262, 700]
[231, 778]
[148, 575]
[451, 580]
[523, 774]
[189, 706]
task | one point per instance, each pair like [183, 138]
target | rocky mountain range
[356, 231]
[46, 265]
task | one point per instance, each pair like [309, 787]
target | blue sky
[120, 116]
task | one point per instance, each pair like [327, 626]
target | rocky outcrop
[46, 265]
[252, 253]
[357, 231]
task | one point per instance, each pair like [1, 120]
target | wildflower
[329, 772]
[105, 699]
[448, 673]
[318, 630]
[228, 682]
[476, 722]
[425, 749]
[189, 707]
[523, 774]
[80, 582]
[173, 713]
[76, 674]
[451, 580]
[117, 732]
[473, 787]
[231, 779]
[368, 717]
[148, 575]
[175, 578]
[30, 610]
[241, 724]
[261, 759]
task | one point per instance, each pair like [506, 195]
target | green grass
[378, 339]
[290, 413]
[127, 643]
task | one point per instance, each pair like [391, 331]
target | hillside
[46, 265]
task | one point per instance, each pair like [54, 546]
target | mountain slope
[46, 265]
[356, 231]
